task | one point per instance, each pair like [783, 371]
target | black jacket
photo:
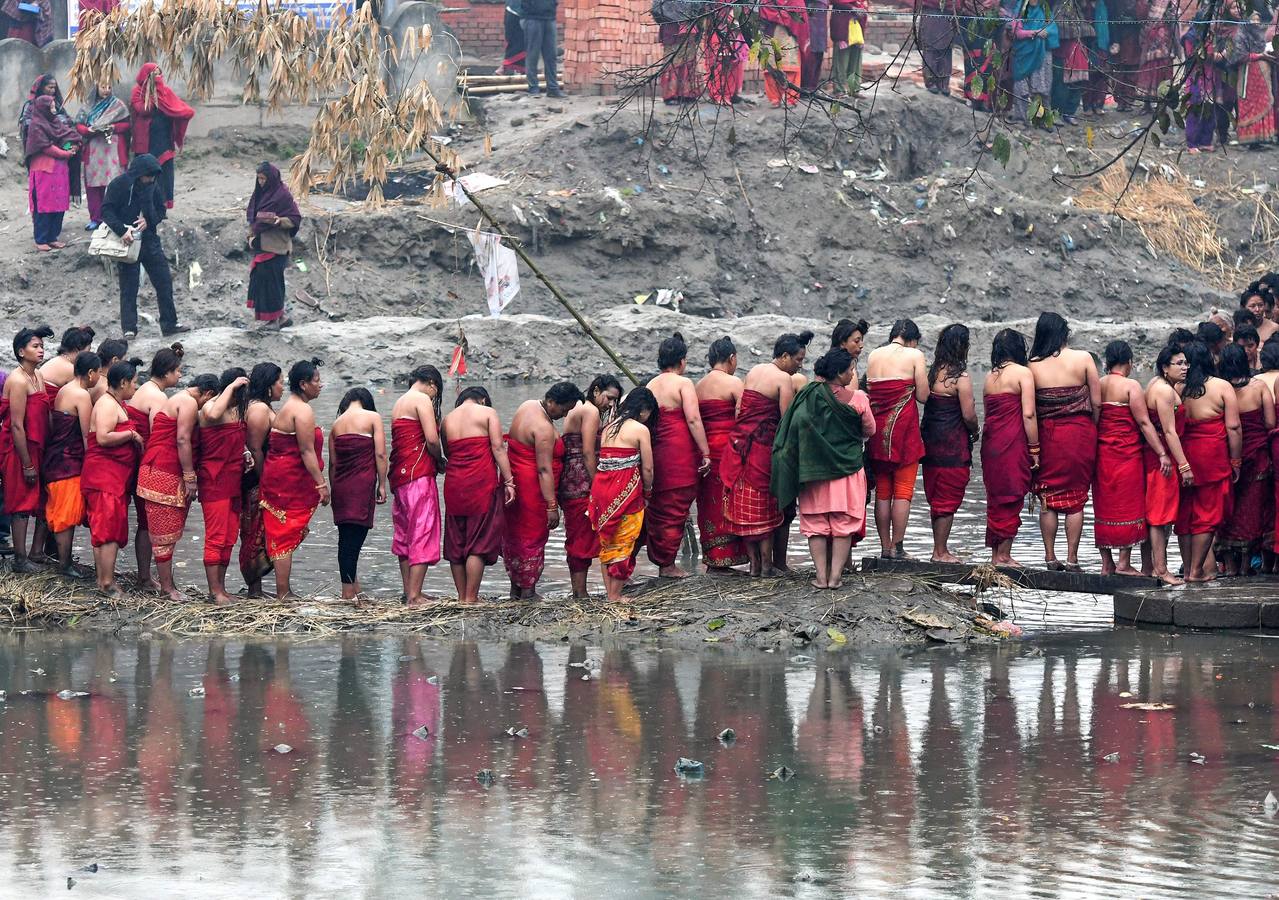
[127, 196]
[539, 9]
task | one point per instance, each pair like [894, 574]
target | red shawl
[674, 452]
[616, 490]
[354, 480]
[110, 469]
[286, 484]
[161, 451]
[221, 465]
[897, 439]
[470, 477]
[749, 454]
[1204, 443]
[526, 518]
[409, 457]
[169, 104]
[1119, 484]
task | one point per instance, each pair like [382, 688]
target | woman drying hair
[160, 121]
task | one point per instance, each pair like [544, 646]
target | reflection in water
[969, 773]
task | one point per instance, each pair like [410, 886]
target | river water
[934, 773]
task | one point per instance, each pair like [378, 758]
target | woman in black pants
[357, 473]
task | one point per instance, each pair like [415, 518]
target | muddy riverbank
[773, 614]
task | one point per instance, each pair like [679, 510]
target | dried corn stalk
[364, 126]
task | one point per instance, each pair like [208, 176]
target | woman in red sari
[293, 484]
[1251, 513]
[1250, 63]
[1010, 442]
[159, 126]
[718, 394]
[150, 397]
[949, 430]
[581, 438]
[24, 426]
[622, 482]
[1213, 446]
[1163, 482]
[110, 466]
[1124, 432]
[726, 54]
[266, 386]
[167, 476]
[222, 462]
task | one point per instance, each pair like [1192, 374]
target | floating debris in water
[71, 695]
[727, 736]
[520, 732]
[1270, 804]
[1112, 757]
[1147, 707]
[36, 671]
[586, 676]
[433, 679]
[196, 691]
[783, 773]
[3, 695]
[1197, 758]
[92, 868]
[282, 749]
[486, 777]
[801, 658]
[70, 882]
[686, 766]
[584, 664]
[421, 732]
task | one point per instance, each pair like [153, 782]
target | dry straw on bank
[365, 123]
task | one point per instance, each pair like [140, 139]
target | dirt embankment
[763, 221]
[779, 614]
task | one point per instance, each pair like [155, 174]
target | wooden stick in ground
[541, 276]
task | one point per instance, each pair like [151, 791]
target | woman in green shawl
[817, 458]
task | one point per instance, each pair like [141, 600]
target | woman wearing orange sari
[622, 483]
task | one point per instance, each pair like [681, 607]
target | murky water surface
[936, 773]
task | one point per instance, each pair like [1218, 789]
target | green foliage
[1001, 149]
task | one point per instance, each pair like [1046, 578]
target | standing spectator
[538, 19]
[160, 120]
[102, 123]
[938, 29]
[49, 144]
[513, 58]
[274, 219]
[810, 62]
[101, 7]
[133, 210]
[27, 20]
[848, 20]
[1070, 59]
[1034, 36]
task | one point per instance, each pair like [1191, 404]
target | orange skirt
[65, 506]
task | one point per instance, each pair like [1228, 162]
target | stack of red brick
[603, 38]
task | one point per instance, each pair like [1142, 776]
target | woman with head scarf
[160, 120]
[274, 219]
[49, 144]
[102, 123]
[27, 20]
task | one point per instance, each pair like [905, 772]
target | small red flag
[458, 365]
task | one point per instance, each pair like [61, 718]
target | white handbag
[109, 245]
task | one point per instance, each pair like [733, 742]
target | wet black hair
[165, 361]
[122, 371]
[602, 383]
[1258, 289]
[633, 406]
[564, 393]
[1270, 356]
[301, 372]
[26, 336]
[112, 349]
[1008, 346]
[1233, 366]
[1118, 353]
[1051, 334]
[1243, 318]
[1247, 333]
[950, 358]
[476, 393]
[833, 363]
[85, 362]
[791, 344]
[1201, 369]
[1209, 333]
[240, 396]
[262, 379]
[75, 339]
[721, 350]
[846, 328]
[671, 352]
[206, 383]
[905, 329]
[354, 394]
[430, 375]
[1164, 359]
[1180, 337]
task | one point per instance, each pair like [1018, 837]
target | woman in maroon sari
[949, 430]
[1010, 442]
[1252, 514]
[357, 472]
[274, 220]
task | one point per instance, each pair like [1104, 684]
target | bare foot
[147, 585]
[112, 591]
[671, 572]
[58, 245]
[581, 598]
[1108, 570]
[1054, 565]
[820, 585]
[221, 599]
[722, 570]
[1127, 570]
[783, 569]
[175, 595]
[416, 600]
[1007, 561]
[288, 597]
[945, 558]
[899, 553]
[835, 585]
[43, 248]
[1170, 579]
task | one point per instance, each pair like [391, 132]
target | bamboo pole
[518, 247]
